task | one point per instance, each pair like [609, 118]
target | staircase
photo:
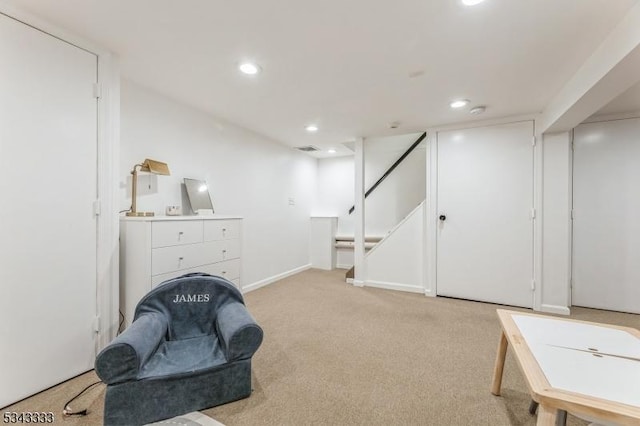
[370, 242]
[347, 242]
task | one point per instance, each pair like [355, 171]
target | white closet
[48, 184]
[484, 203]
[606, 224]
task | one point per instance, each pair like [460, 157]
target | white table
[584, 368]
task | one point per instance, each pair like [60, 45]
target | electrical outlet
[147, 184]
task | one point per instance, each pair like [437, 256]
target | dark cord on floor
[121, 322]
[68, 411]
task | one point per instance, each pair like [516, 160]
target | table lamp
[149, 166]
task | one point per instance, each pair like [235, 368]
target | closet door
[48, 178]
[485, 200]
[606, 224]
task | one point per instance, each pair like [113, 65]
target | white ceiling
[627, 102]
[351, 66]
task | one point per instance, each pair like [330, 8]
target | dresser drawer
[159, 279]
[229, 269]
[217, 251]
[165, 234]
[226, 269]
[175, 258]
[221, 229]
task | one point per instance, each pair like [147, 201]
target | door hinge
[96, 324]
[533, 285]
[572, 214]
[97, 207]
[97, 90]
[533, 213]
[573, 143]
[533, 141]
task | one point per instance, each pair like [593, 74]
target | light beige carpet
[340, 355]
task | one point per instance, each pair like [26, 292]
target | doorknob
[443, 217]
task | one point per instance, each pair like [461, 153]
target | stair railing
[392, 168]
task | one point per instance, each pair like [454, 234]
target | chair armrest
[238, 332]
[123, 358]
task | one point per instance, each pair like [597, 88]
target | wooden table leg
[499, 366]
[546, 416]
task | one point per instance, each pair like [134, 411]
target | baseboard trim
[358, 283]
[429, 293]
[395, 286]
[555, 309]
[278, 277]
[343, 266]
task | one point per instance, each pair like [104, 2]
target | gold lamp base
[140, 214]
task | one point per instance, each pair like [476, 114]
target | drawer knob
[224, 251]
[224, 272]
[181, 258]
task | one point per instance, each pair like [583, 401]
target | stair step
[350, 273]
[351, 244]
[368, 239]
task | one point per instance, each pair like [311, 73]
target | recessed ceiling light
[249, 68]
[311, 128]
[331, 151]
[477, 110]
[471, 2]
[459, 103]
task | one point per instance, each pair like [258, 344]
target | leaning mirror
[198, 194]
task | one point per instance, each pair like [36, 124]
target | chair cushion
[184, 356]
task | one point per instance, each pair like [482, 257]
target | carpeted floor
[339, 355]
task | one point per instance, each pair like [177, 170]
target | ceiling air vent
[308, 148]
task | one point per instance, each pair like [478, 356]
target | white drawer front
[175, 258]
[217, 251]
[221, 229]
[164, 234]
[229, 269]
[159, 279]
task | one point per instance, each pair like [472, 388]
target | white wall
[397, 262]
[335, 191]
[556, 223]
[248, 175]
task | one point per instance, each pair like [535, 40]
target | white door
[48, 169]
[485, 199]
[606, 224]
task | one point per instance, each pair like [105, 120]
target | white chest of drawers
[155, 249]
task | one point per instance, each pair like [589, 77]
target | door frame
[108, 144]
[431, 212]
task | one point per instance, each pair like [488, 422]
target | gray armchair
[189, 348]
